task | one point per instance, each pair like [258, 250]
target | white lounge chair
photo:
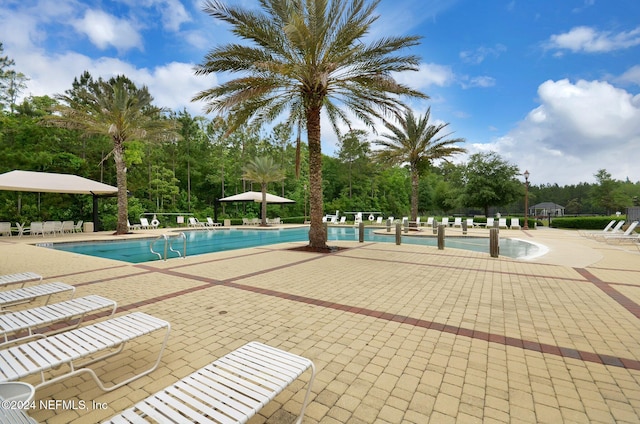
[502, 223]
[430, 221]
[22, 229]
[618, 238]
[133, 226]
[515, 224]
[144, 223]
[470, 223]
[37, 228]
[194, 223]
[5, 229]
[343, 219]
[232, 389]
[51, 227]
[67, 227]
[606, 229]
[210, 223]
[78, 227]
[445, 221]
[612, 230]
[26, 321]
[27, 294]
[490, 222]
[21, 278]
[67, 349]
[457, 222]
[379, 220]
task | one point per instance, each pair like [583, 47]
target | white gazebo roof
[45, 182]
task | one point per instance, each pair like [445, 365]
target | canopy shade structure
[45, 182]
[255, 196]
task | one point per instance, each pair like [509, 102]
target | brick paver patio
[399, 334]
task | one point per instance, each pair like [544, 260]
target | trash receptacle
[227, 223]
[87, 227]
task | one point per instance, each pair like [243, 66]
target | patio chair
[379, 220]
[144, 223]
[619, 238]
[67, 349]
[194, 223]
[515, 224]
[21, 278]
[27, 294]
[490, 222]
[430, 221]
[133, 226]
[5, 229]
[78, 227]
[22, 230]
[470, 223]
[604, 230]
[210, 223]
[18, 323]
[343, 219]
[609, 229]
[232, 389]
[67, 227]
[37, 228]
[502, 223]
[457, 222]
[50, 227]
[445, 221]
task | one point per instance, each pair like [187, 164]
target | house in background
[545, 209]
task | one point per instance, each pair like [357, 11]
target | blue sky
[552, 86]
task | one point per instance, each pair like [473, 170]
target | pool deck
[399, 334]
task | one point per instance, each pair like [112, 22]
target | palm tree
[304, 56]
[417, 143]
[119, 110]
[263, 170]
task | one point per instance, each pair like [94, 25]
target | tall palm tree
[416, 143]
[303, 56]
[263, 170]
[119, 110]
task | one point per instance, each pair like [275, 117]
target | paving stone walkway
[399, 334]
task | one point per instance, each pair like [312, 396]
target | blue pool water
[199, 242]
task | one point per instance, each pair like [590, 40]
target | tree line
[299, 63]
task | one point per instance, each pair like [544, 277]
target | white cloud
[106, 30]
[631, 75]
[578, 129]
[588, 40]
[478, 55]
[473, 82]
[427, 75]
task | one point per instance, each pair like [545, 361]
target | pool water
[199, 242]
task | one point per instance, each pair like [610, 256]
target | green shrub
[583, 223]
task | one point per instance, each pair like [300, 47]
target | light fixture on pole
[526, 200]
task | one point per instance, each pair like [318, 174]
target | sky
[552, 86]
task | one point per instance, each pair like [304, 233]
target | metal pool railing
[168, 246]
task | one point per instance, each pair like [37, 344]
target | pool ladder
[168, 246]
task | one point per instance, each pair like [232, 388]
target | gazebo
[545, 209]
[46, 182]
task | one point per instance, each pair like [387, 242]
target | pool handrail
[169, 246]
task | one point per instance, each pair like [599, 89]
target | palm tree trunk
[264, 205]
[121, 178]
[317, 234]
[415, 181]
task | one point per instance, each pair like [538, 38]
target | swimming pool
[199, 242]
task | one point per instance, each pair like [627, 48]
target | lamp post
[526, 200]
